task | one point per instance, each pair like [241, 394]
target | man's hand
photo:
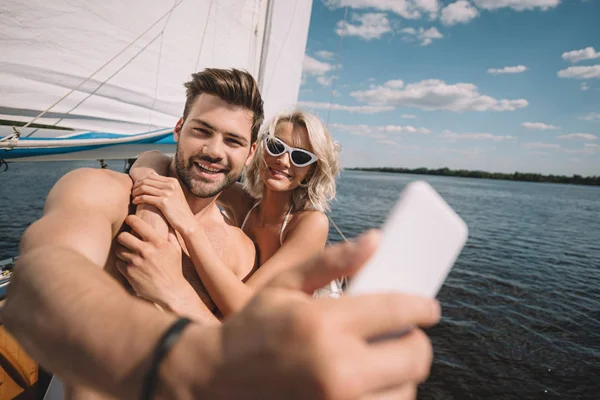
[151, 265]
[286, 345]
[167, 195]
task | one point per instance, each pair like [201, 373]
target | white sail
[281, 71]
[128, 59]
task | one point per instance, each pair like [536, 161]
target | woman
[281, 204]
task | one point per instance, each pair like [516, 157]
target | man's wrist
[188, 369]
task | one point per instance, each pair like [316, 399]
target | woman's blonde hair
[320, 188]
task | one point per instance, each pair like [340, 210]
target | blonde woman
[280, 205]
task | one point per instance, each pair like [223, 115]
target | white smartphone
[421, 240]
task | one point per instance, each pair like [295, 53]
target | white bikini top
[282, 225]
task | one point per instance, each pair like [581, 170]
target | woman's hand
[167, 195]
[152, 265]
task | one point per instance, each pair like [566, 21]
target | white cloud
[424, 36]
[318, 69]
[410, 9]
[313, 66]
[584, 86]
[394, 83]
[435, 94]
[539, 126]
[540, 146]
[591, 117]
[408, 116]
[579, 136]
[592, 71]
[451, 136]
[518, 5]
[369, 26]
[579, 55]
[475, 152]
[508, 70]
[579, 151]
[460, 12]
[538, 153]
[592, 146]
[370, 130]
[326, 80]
[340, 107]
[324, 54]
[402, 129]
[387, 141]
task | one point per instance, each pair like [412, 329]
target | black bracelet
[166, 341]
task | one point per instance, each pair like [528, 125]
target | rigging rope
[335, 67]
[343, 281]
[203, 35]
[103, 83]
[102, 67]
[162, 37]
[337, 229]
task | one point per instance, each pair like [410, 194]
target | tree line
[516, 176]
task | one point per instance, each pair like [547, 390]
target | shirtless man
[215, 140]
[78, 322]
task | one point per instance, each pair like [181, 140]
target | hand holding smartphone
[422, 238]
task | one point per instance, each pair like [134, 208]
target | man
[78, 322]
[216, 139]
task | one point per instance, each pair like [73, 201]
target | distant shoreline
[517, 176]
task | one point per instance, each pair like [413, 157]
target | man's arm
[62, 307]
[79, 323]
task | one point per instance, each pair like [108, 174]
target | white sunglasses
[299, 157]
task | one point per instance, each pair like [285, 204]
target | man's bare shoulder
[89, 189]
[98, 185]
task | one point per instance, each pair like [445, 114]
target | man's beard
[194, 184]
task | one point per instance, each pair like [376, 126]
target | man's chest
[266, 238]
[193, 264]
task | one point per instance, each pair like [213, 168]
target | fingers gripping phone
[422, 238]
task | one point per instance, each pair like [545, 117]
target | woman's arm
[306, 239]
[148, 162]
[236, 201]
[167, 195]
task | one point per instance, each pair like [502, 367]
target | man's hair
[233, 86]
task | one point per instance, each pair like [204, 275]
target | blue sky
[497, 85]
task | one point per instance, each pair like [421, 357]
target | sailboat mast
[265, 45]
